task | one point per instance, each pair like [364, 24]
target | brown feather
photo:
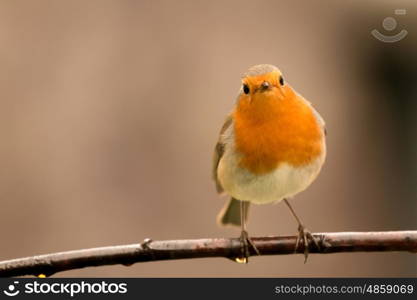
[219, 150]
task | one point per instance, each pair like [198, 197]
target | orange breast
[272, 131]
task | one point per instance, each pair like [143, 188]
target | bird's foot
[245, 243]
[304, 235]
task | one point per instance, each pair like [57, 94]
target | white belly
[284, 182]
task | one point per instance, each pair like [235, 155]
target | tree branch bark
[336, 242]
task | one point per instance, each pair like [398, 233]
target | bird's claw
[245, 242]
[305, 235]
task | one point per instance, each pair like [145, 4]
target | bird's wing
[220, 148]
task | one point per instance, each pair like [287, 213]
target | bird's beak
[264, 86]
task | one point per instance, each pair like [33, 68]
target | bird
[270, 148]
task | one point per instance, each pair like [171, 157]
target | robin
[271, 147]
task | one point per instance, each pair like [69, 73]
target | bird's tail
[230, 213]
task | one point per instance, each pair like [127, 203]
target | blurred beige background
[110, 111]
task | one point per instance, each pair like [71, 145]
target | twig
[219, 247]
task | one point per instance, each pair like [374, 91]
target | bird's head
[262, 82]
[263, 91]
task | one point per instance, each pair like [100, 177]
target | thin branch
[219, 247]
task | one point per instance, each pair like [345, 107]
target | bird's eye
[281, 80]
[246, 89]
